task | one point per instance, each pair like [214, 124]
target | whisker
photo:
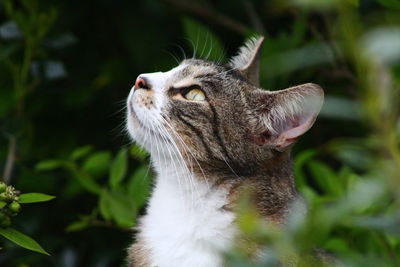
[187, 150]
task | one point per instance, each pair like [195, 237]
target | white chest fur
[185, 224]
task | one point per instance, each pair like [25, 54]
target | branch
[254, 18]
[10, 159]
[209, 15]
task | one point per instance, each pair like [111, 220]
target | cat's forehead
[192, 70]
[199, 67]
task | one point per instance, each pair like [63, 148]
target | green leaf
[206, 43]
[139, 186]
[336, 244]
[390, 4]
[81, 152]
[326, 178]
[85, 179]
[104, 205]
[301, 159]
[123, 209]
[98, 163]
[34, 197]
[118, 205]
[353, 152]
[118, 168]
[87, 182]
[138, 153]
[77, 226]
[3, 204]
[364, 193]
[308, 193]
[48, 165]
[22, 240]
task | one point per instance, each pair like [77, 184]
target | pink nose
[142, 83]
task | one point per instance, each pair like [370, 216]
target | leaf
[34, 197]
[48, 165]
[336, 244]
[364, 193]
[123, 209]
[390, 4]
[118, 205]
[139, 186]
[301, 159]
[98, 163]
[206, 43]
[85, 179]
[353, 152]
[87, 182]
[80, 152]
[308, 193]
[118, 168]
[104, 205]
[326, 178]
[341, 108]
[138, 152]
[77, 226]
[3, 204]
[22, 240]
[296, 58]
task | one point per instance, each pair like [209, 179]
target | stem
[10, 159]
[209, 15]
[22, 84]
[253, 17]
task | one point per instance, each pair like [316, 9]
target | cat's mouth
[134, 116]
[142, 126]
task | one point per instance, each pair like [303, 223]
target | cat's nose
[142, 83]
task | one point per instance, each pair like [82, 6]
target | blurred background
[66, 68]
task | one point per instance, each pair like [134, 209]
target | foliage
[119, 202]
[10, 205]
[22, 240]
[63, 73]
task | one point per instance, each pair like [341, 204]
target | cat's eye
[195, 95]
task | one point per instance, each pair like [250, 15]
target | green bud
[3, 187]
[10, 193]
[14, 206]
[2, 204]
[3, 196]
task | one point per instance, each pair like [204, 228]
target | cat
[212, 131]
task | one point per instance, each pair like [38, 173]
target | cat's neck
[273, 180]
[185, 224]
[189, 219]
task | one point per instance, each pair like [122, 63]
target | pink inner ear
[290, 135]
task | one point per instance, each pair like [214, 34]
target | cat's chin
[144, 136]
[132, 122]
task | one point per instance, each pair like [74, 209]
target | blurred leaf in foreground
[34, 197]
[22, 240]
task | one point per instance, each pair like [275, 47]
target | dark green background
[109, 43]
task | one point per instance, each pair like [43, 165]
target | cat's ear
[283, 116]
[247, 61]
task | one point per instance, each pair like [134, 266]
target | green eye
[195, 95]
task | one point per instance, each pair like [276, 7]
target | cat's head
[216, 114]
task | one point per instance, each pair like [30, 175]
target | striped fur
[206, 152]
